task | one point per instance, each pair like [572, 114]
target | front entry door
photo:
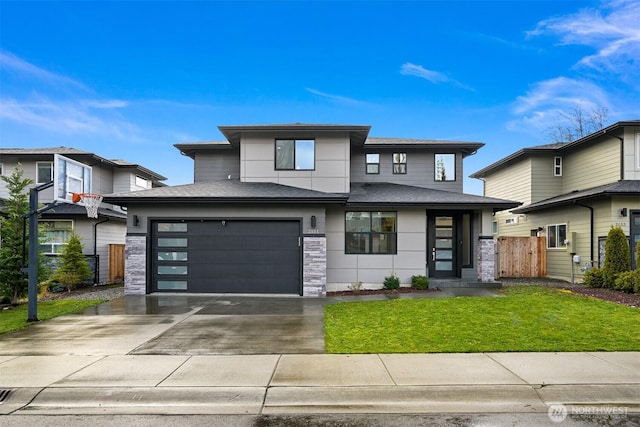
[442, 246]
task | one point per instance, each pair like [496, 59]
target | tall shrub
[617, 256]
[13, 283]
[74, 269]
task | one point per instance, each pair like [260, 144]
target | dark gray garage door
[230, 256]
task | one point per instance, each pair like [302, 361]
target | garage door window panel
[172, 285]
[172, 269]
[173, 242]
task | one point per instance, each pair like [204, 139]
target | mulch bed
[381, 292]
[632, 300]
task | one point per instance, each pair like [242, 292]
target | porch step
[435, 283]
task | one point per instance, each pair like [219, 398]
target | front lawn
[16, 318]
[528, 318]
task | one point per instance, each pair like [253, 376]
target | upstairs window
[445, 167]
[373, 163]
[295, 154]
[44, 172]
[399, 163]
[142, 182]
[557, 166]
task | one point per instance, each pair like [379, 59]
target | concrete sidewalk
[94, 363]
[315, 384]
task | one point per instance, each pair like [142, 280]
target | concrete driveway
[174, 324]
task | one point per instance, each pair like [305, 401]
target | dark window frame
[367, 164]
[44, 180]
[294, 154]
[400, 167]
[371, 235]
[435, 166]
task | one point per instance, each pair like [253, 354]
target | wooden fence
[116, 263]
[522, 257]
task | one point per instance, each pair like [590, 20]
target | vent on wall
[510, 221]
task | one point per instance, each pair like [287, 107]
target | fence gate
[522, 256]
[116, 263]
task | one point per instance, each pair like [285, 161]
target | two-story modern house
[305, 208]
[102, 176]
[572, 194]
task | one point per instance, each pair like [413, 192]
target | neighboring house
[572, 194]
[57, 224]
[303, 209]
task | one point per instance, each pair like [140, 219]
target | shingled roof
[362, 194]
[620, 188]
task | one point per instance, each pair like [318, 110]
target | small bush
[593, 278]
[636, 281]
[624, 281]
[391, 282]
[355, 287]
[419, 282]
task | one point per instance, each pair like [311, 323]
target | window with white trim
[44, 172]
[54, 235]
[556, 236]
[557, 166]
[142, 182]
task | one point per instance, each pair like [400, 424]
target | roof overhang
[357, 133]
[627, 188]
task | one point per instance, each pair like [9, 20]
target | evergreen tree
[617, 256]
[13, 283]
[74, 269]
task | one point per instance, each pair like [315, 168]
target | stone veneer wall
[486, 259]
[135, 265]
[314, 266]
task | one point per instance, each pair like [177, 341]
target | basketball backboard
[69, 177]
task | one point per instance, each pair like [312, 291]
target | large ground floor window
[54, 235]
[371, 232]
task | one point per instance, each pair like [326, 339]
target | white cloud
[24, 69]
[611, 31]
[335, 98]
[545, 102]
[435, 77]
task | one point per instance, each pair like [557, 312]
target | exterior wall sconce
[313, 221]
[623, 212]
[136, 220]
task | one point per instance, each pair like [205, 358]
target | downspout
[96, 270]
[592, 232]
[621, 155]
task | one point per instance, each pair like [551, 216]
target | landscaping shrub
[593, 278]
[74, 269]
[617, 258]
[636, 282]
[391, 282]
[625, 281]
[419, 282]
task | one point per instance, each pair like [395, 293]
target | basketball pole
[33, 249]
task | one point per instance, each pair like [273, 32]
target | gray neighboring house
[308, 208]
[58, 223]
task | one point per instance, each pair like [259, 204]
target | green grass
[528, 318]
[16, 318]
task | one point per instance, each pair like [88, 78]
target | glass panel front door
[442, 246]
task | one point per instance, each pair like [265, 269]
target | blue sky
[128, 79]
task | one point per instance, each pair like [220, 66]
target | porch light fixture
[623, 212]
[313, 221]
[136, 220]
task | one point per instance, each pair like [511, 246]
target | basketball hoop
[90, 201]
